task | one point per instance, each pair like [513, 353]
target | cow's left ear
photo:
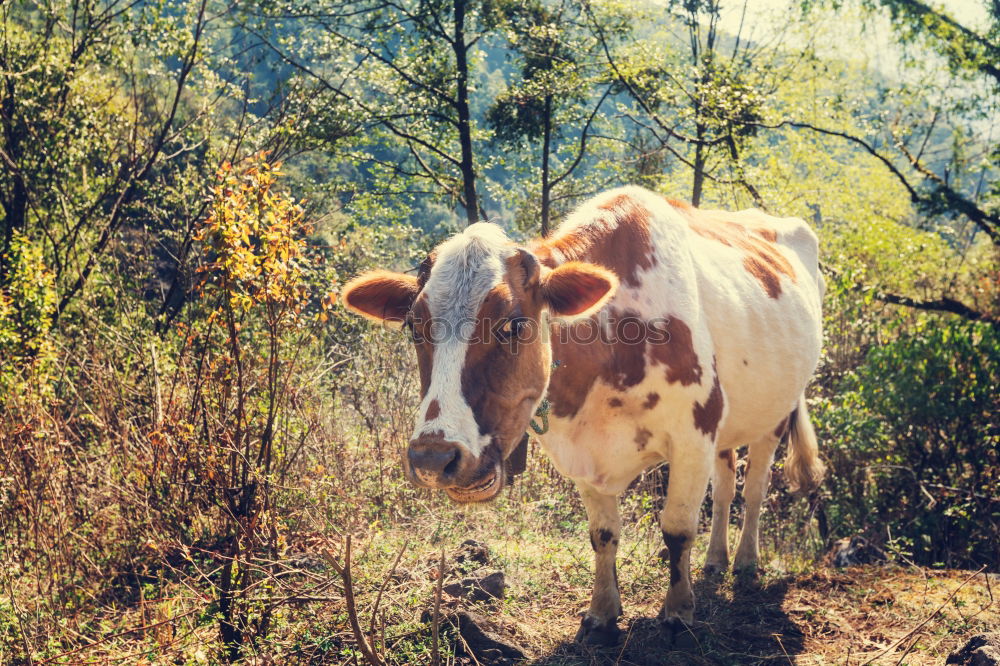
[577, 289]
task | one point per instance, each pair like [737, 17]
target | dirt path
[873, 614]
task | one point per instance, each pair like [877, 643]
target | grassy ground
[797, 612]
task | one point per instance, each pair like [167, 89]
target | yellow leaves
[158, 439]
[254, 241]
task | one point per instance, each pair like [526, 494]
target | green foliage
[27, 302]
[188, 418]
[913, 443]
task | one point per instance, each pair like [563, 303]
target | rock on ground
[484, 644]
[472, 553]
[980, 650]
[853, 552]
[481, 586]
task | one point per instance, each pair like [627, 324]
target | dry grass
[881, 614]
[796, 613]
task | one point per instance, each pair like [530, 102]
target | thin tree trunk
[464, 116]
[699, 166]
[546, 187]
[16, 206]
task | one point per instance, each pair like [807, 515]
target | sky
[766, 14]
[848, 37]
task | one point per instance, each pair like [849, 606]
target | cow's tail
[803, 468]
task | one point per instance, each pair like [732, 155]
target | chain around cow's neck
[542, 413]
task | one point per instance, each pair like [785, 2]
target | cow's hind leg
[689, 472]
[600, 624]
[757, 477]
[723, 491]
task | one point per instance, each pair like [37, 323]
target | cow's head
[476, 315]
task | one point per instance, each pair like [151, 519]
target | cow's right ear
[381, 296]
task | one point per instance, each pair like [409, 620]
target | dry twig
[436, 622]
[352, 611]
[927, 619]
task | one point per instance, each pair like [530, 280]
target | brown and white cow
[658, 332]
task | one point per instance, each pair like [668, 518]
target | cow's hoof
[746, 574]
[678, 633]
[681, 616]
[714, 569]
[745, 566]
[594, 632]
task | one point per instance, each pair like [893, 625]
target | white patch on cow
[704, 284]
[467, 266]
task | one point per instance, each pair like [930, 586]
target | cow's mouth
[483, 489]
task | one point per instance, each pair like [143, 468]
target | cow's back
[735, 293]
[761, 297]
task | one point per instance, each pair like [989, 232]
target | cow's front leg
[600, 624]
[689, 472]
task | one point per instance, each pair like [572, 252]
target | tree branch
[988, 223]
[943, 304]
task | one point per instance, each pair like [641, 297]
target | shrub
[27, 303]
[913, 440]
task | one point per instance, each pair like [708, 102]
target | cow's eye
[511, 328]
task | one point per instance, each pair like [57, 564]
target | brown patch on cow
[580, 365]
[758, 242]
[420, 321]
[619, 241]
[578, 368]
[768, 278]
[501, 370]
[729, 455]
[433, 411]
[627, 365]
[614, 402]
[642, 438]
[585, 353]
[677, 353]
[651, 400]
[782, 428]
[708, 415]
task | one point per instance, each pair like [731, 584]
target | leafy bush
[27, 302]
[912, 439]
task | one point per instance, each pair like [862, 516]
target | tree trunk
[546, 187]
[699, 166]
[464, 117]
[16, 206]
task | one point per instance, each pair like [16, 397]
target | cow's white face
[476, 315]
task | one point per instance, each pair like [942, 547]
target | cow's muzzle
[435, 462]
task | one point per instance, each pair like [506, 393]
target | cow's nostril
[452, 467]
[435, 464]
